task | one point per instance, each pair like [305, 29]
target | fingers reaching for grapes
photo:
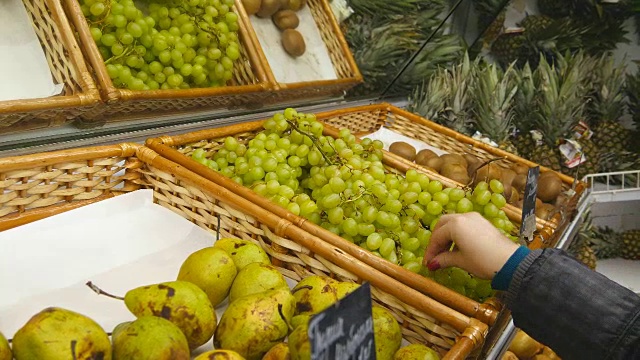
[479, 247]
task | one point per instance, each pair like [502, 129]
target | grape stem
[314, 140]
[104, 17]
[129, 49]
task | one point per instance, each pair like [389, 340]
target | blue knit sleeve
[502, 279]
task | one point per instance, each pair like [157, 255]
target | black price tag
[344, 331]
[528, 225]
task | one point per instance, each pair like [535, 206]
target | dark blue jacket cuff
[503, 278]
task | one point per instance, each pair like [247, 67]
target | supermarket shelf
[603, 189]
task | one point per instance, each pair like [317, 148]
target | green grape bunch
[342, 185]
[172, 44]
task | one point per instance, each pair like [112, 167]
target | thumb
[446, 259]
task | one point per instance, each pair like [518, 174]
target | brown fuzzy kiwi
[448, 168]
[293, 42]
[251, 6]
[295, 5]
[454, 159]
[545, 211]
[459, 176]
[471, 159]
[519, 182]
[488, 173]
[515, 196]
[286, 19]
[268, 8]
[423, 155]
[520, 168]
[549, 187]
[435, 163]
[403, 149]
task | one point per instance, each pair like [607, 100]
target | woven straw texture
[67, 67]
[247, 86]
[40, 185]
[344, 65]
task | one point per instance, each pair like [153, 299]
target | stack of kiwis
[469, 170]
[283, 14]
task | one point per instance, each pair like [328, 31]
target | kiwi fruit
[549, 187]
[423, 155]
[472, 163]
[252, 6]
[520, 169]
[519, 182]
[435, 163]
[449, 168]
[268, 8]
[454, 159]
[403, 149]
[294, 5]
[459, 176]
[286, 19]
[514, 198]
[488, 173]
[293, 42]
[544, 211]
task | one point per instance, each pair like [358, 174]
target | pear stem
[308, 287]
[99, 291]
[73, 349]
[284, 318]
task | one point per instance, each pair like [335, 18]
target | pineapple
[633, 94]
[554, 8]
[524, 105]
[491, 17]
[581, 247]
[606, 243]
[396, 7]
[493, 104]
[623, 161]
[630, 245]
[509, 47]
[536, 23]
[591, 165]
[561, 105]
[445, 99]
[607, 106]
[587, 256]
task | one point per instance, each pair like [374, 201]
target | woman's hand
[480, 248]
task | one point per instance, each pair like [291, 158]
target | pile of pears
[175, 318]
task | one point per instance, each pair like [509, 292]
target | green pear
[56, 333]
[219, 355]
[149, 337]
[243, 252]
[386, 332]
[298, 320]
[416, 352]
[180, 302]
[5, 350]
[314, 294]
[278, 352]
[256, 278]
[345, 288]
[253, 324]
[299, 344]
[212, 270]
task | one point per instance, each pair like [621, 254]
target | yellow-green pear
[256, 278]
[278, 352]
[212, 270]
[5, 350]
[60, 334]
[298, 320]
[253, 324]
[181, 302]
[344, 288]
[416, 352]
[149, 338]
[314, 294]
[387, 333]
[219, 355]
[299, 344]
[243, 252]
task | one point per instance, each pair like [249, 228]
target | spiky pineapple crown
[493, 101]
[632, 87]
[526, 103]
[562, 96]
[607, 91]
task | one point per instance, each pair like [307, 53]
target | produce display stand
[79, 97]
[40, 185]
[337, 48]
[248, 86]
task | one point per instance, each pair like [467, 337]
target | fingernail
[433, 265]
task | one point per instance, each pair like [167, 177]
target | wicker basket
[367, 119]
[337, 48]
[248, 86]
[175, 148]
[67, 66]
[41, 185]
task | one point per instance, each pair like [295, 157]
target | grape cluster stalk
[342, 185]
[179, 44]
